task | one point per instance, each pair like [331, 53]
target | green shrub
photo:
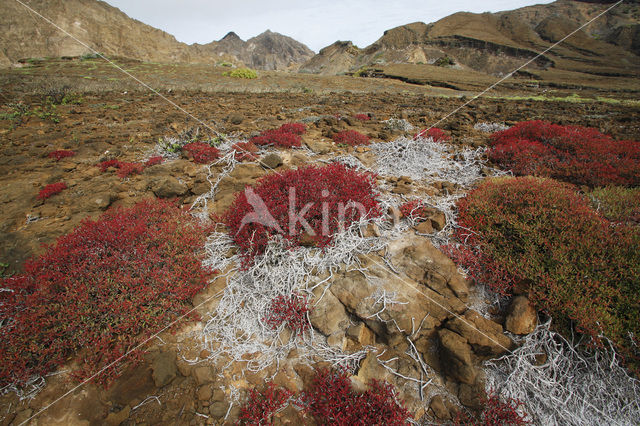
[444, 61]
[89, 56]
[241, 73]
[617, 203]
[362, 72]
[541, 236]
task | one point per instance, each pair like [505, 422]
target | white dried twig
[572, 386]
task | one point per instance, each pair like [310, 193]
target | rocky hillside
[496, 43]
[267, 51]
[108, 30]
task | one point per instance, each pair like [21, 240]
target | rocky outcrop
[103, 27]
[522, 317]
[417, 305]
[496, 43]
[108, 30]
[338, 58]
[267, 51]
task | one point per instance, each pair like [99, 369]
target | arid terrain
[495, 272]
[110, 116]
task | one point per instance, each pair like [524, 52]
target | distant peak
[267, 33]
[231, 36]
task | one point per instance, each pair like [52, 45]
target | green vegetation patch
[541, 237]
[241, 73]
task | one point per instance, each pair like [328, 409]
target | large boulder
[168, 187]
[522, 317]
[328, 315]
[485, 336]
[457, 356]
[409, 305]
[164, 368]
[417, 257]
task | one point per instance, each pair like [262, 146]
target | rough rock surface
[522, 317]
[102, 26]
[164, 368]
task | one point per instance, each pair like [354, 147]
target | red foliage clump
[100, 290]
[362, 117]
[295, 128]
[108, 163]
[245, 151]
[128, 169]
[541, 235]
[261, 406]
[496, 413]
[152, 161]
[290, 310]
[326, 198]
[61, 153]
[350, 137]
[331, 400]
[438, 135]
[286, 136]
[278, 138]
[51, 189]
[575, 154]
[201, 152]
[415, 209]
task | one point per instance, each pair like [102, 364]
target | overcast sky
[316, 23]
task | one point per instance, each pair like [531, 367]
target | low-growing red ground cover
[438, 135]
[152, 161]
[202, 153]
[286, 136]
[541, 236]
[351, 138]
[100, 290]
[295, 128]
[291, 310]
[104, 166]
[262, 405]
[124, 169]
[574, 154]
[61, 153]
[128, 169]
[51, 189]
[362, 117]
[330, 400]
[322, 196]
[245, 151]
[497, 412]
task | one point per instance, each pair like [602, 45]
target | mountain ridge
[496, 43]
[110, 31]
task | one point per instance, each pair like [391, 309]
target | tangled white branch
[429, 161]
[490, 127]
[237, 330]
[565, 384]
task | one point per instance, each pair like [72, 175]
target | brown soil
[116, 118]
